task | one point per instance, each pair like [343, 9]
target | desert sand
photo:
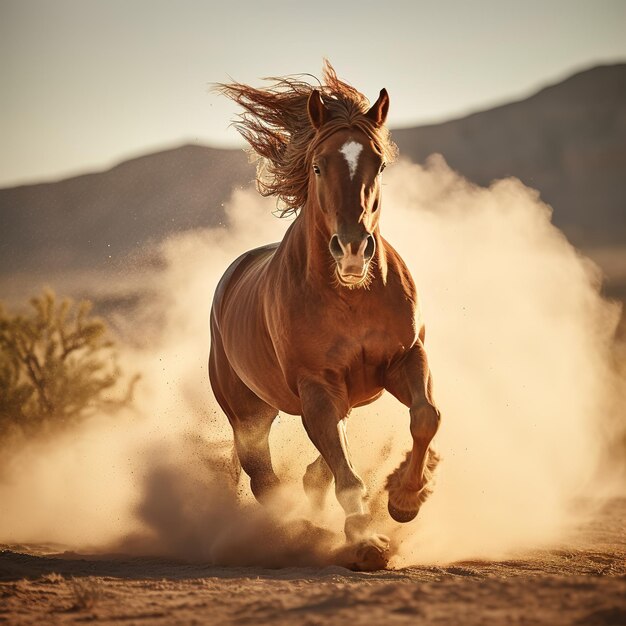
[582, 581]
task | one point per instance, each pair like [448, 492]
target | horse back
[235, 270]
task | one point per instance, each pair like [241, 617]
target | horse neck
[307, 246]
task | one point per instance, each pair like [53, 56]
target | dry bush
[53, 578]
[58, 367]
[86, 592]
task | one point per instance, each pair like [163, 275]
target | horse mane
[276, 125]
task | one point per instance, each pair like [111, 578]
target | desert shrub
[86, 593]
[58, 367]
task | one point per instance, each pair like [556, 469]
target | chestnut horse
[328, 318]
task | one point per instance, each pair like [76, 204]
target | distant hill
[568, 141]
[78, 222]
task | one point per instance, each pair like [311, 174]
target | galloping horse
[328, 318]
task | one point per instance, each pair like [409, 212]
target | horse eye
[383, 165]
[316, 169]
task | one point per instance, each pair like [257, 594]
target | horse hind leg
[251, 419]
[252, 446]
[316, 481]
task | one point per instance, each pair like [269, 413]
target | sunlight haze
[88, 83]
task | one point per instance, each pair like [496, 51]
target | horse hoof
[371, 555]
[401, 516]
[370, 559]
[367, 555]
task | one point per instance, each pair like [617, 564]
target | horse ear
[380, 108]
[317, 111]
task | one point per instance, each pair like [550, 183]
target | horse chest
[363, 349]
[355, 361]
[348, 348]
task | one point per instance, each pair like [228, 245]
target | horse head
[345, 186]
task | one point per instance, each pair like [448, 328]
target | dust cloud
[519, 342]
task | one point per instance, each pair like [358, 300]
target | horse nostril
[335, 247]
[370, 248]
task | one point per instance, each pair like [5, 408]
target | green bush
[58, 367]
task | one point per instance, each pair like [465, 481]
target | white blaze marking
[351, 151]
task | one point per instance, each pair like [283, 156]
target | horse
[328, 318]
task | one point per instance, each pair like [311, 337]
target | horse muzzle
[352, 259]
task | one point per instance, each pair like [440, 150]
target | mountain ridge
[568, 140]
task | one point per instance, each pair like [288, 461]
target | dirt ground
[582, 583]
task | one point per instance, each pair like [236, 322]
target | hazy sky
[87, 83]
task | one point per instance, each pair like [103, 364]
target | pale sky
[88, 83]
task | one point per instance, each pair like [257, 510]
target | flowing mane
[276, 125]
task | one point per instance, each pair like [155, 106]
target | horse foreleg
[323, 416]
[409, 484]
